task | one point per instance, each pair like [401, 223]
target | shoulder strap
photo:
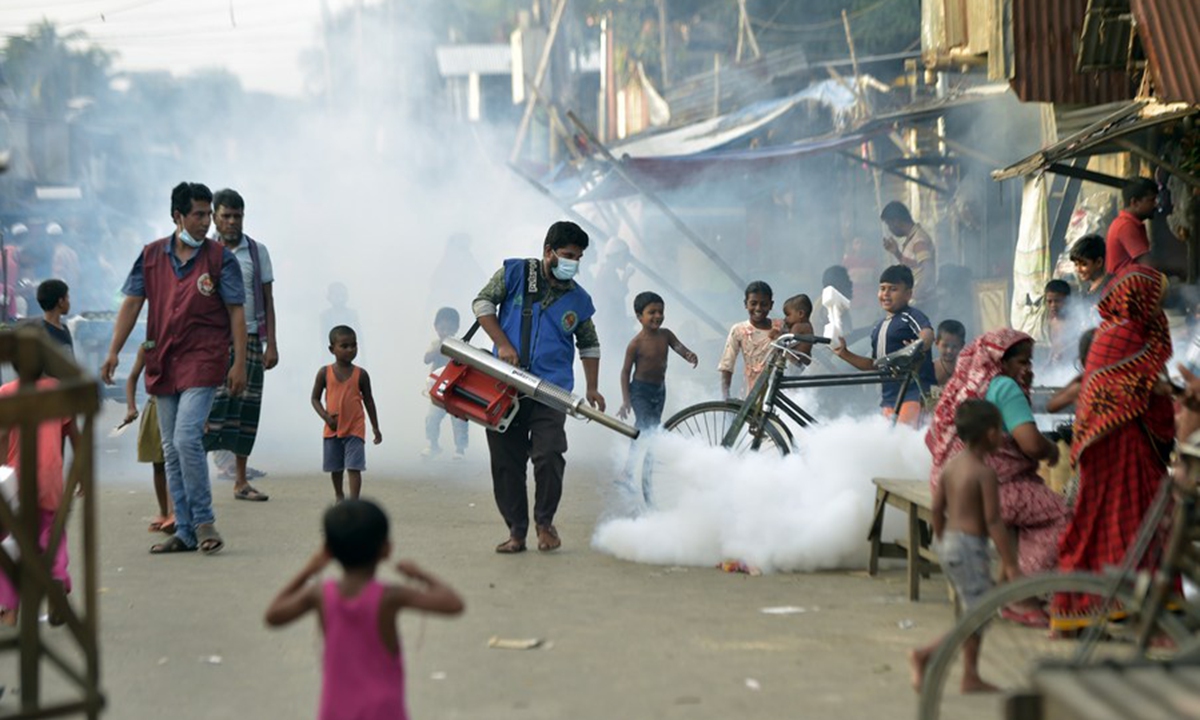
[532, 295]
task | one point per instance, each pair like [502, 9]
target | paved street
[183, 636]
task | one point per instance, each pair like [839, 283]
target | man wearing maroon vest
[195, 294]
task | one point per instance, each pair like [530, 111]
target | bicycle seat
[901, 361]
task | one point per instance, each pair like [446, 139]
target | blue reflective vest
[552, 336]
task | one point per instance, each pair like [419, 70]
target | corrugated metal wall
[1170, 34]
[1045, 41]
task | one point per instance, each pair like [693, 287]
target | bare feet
[917, 660]
[977, 685]
[8, 618]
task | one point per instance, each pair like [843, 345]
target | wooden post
[746, 32]
[663, 52]
[716, 84]
[538, 76]
[24, 411]
[662, 206]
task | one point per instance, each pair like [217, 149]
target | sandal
[249, 493]
[168, 525]
[511, 546]
[210, 540]
[1027, 617]
[171, 545]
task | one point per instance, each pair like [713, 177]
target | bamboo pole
[679, 224]
[538, 77]
[640, 266]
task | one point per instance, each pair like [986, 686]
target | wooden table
[915, 498]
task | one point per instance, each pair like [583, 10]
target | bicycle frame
[764, 398]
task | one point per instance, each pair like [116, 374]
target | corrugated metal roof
[1170, 33]
[1045, 37]
[459, 60]
[1100, 137]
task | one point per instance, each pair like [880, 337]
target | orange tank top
[343, 399]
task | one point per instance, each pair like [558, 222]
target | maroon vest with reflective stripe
[187, 321]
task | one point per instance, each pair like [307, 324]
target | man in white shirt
[233, 423]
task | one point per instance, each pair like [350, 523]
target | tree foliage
[47, 70]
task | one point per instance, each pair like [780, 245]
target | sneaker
[459, 455]
[548, 538]
[252, 473]
[430, 452]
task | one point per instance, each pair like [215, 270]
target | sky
[260, 41]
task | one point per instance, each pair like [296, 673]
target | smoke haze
[806, 511]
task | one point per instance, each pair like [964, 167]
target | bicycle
[754, 424]
[1130, 608]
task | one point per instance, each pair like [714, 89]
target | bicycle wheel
[710, 421]
[1010, 652]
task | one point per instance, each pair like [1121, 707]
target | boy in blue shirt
[903, 326]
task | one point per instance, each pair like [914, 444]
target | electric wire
[816, 27]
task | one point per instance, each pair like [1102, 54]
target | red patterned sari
[1036, 512]
[1123, 432]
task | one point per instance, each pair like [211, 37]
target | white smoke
[807, 511]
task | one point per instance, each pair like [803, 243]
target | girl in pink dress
[363, 667]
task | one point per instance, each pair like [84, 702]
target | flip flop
[249, 493]
[171, 545]
[209, 539]
[156, 525]
[168, 525]
[1027, 617]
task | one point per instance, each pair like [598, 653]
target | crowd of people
[210, 337]
[1125, 423]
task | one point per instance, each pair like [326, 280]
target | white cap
[18, 229]
[53, 228]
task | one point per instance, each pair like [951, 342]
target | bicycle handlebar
[788, 339]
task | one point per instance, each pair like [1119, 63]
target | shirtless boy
[966, 511]
[643, 377]
[797, 314]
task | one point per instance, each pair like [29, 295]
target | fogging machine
[480, 387]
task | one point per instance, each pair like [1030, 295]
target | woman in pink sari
[997, 367]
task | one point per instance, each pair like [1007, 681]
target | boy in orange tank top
[347, 390]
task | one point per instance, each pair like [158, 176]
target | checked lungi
[233, 421]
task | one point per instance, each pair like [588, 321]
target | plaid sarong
[233, 421]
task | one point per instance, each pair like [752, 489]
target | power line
[816, 27]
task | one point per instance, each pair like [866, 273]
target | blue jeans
[647, 400]
[181, 420]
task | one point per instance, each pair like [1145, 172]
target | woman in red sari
[1124, 428]
[997, 367]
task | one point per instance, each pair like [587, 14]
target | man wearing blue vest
[537, 316]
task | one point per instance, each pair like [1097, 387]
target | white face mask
[187, 238]
[565, 269]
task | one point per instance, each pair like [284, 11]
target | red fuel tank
[469, 394]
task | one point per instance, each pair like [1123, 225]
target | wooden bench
[915, 498]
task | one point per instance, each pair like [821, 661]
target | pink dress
[362, 679]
